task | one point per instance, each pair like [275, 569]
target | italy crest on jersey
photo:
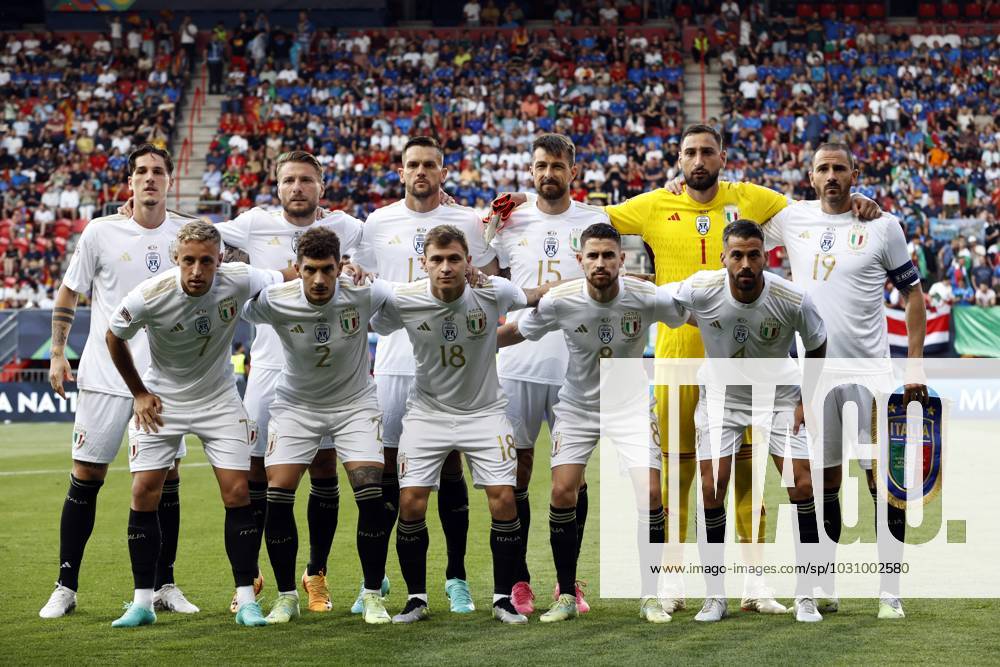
[227, 308]
[574, 239]
[827, 240]
[79, 437]
[631, 323]
[153, 261]
[449, 329]
[741, 332]
[322, 331]
[731, 213]
[550, 245]
[605, 333]
[770, 328]
[476, 321]
[418, 241]
[857, 238]
[702, 223]
[295, 241]
[203, 325]
[350, 321]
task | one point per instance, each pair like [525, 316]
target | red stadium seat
[78, 225]
[950, 11]
[852, 10]
[9, 281]
[995, 11]
[804, 10]
[927, 11]
[63, 231]
[875, 10]
[40, 245]
[828, 10]
[60, 245]
[682, 12]
[973, 10]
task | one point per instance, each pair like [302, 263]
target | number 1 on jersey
[703, 258]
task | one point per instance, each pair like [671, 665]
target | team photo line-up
[541, 279]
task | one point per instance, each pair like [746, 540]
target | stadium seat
[828, 10]
[927, 11]
[804, 10]
[950, 11]
[852, 10]
[682, 12]
[973, 11]
[875, 11]
[995, 11]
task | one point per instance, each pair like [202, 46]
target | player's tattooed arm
[146, 406]
[234, 254]
[63, 314]
[364, 475]
[508, 334]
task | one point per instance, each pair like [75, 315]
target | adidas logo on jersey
[395, 240]
[715, 324]
[582, 329]
[297, 329]
[675, 217]
[274, 241]
[804, 235]
[178, 328]
[523, 243]
[125, 257]
[424, 327]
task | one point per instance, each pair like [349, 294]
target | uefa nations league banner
[36, 402]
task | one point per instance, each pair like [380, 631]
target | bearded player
[843, 263]
[539, 244]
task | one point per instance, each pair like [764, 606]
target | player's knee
[525, 463]
[832, 478]
[175, 471]
[564, 495]
[234, 490]
[90, 472]
[501, 501]
[324, 465]
[803, 489]
[412, 506]
[146, 490]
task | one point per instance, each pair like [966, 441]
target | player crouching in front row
[190, 316]
[456, 404]
[324, 390]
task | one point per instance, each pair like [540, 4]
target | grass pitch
[34, 466]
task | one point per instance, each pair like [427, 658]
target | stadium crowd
[72, 111]
[919, 110]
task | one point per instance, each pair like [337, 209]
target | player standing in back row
[538, 245]
[114, 254]
[843, 262]
[392, 247]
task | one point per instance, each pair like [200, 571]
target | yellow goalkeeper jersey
[686, 236]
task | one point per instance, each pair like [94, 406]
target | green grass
[33, 478]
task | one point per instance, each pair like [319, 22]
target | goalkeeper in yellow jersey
[683, 231]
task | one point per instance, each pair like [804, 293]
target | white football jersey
[538, 248]
[272, 241]
[112, 256]
[391, 247]
[189, 337]
[843, 264]
[454, 344]
[325, 347]
[762, 329]
[593, 330]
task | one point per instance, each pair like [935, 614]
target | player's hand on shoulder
[445, 199]
[475, 277]
[126, 209]
[675, 186]
[865, 208]
[356, 273]
[323, 213]
[148, 410]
